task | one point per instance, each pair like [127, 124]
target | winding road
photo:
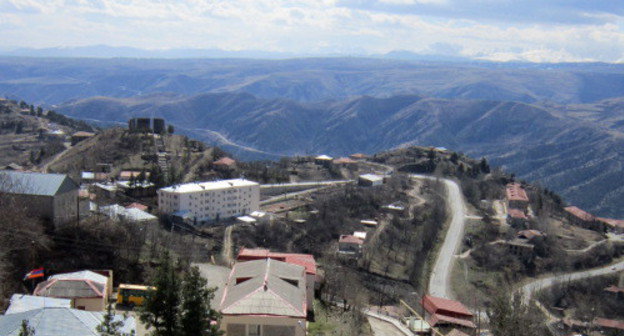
[539, 284]
[439, 282]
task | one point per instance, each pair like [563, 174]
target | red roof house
[305, 260]
[225, 162]
[529, 234]
[137, 205]
[609, 324]
[615, 224]
[517, 214]
[437, 305]
[343, 161]
[515, 192]
[580, 214]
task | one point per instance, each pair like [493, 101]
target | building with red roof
[609, 324]
[225, 163]
[580, 217]
[445, 312]
[616, 225]
[137, 205]
[344, 161]
[516, 196]
[305, 260]
[529, 234]
[350, 244]
[358, 156]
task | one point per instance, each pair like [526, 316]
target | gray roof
[59, 321]
[62, 288]
[22, 302]
[35, 183]
[267, 287]
[81, 275]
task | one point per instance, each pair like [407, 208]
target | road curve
[439, 282]
[539, 284]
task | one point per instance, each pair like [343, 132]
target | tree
[170, 129]
[484, 166]
[197, 314]
[110, 327]
[26, 330]
[161, 310]
[510, 317]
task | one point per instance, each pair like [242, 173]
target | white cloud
[299, 26]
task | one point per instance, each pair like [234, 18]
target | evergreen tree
[510, 317]
[110, 327]
[26, 330]
[197, 314]
[484, 166]
[161, 309]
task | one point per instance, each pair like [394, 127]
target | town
[417, 241]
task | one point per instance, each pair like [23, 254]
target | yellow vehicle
[132, 295]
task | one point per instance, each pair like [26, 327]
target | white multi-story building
[207, 201]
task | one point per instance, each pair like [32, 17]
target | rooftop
[515, 192]
[305, 260]
[439, 303]
[436, 319]
[23, 302]
[324, 157]
[27, 183]
[371, 177]
[55, 321]
[344, 160]
[516, 213]
[616, 223]
[83, 134]
[226, 161]
[580, 213]
[215, 185]
[265, 287]
[607, 323]
[350, 239]
[529, 234]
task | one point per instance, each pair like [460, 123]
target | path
[226, 251]
[46, 166]
[383, 328]
[439, 282]
[539, 284]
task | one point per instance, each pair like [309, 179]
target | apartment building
[208, 201]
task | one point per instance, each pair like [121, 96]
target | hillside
[573, 149]
[57, 80]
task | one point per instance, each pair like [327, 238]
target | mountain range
[576, 149]
[559, 124]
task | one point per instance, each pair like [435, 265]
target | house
[516, 196]
[615, 225]
[55, 321]
[127, 175]
[264, 298]
[529, 235]
[370, 180]
[516, 217]
[323, 160]
[447, 313]
[580, 217]
[23, 302]
[360, 234]
[88, 290]
[225, 164]
[313, 280]
[119, 213]
[207, 201]
[80, 136]
[137, 205]
[137, 189]
[609, 325]
[343, 161]
[349, 244]
[520, 248]
[358, 156]
[369, 222]
[50, 196]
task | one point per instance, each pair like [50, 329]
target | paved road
[539, 284]
[439, 282]
[383, 328]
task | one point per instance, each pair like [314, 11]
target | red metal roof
[136, 205]
[305, 260]
[580, 213]
[437, 319]
[516, 213]
[606, 323]
[434, 304]
[614, 289]
[612, 222]
[351, 239]
[529, 234]
[515, 192]
[344, 160]
[226, 161]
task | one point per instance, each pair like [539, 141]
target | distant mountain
[53, 81]
[577, 150]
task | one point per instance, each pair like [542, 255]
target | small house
[81, 136]
[349, 244]
[370, 180]
[87, 290]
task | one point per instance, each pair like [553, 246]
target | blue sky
[502, 30]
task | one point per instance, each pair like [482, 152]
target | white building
[208, 201]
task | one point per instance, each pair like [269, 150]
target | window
[253, 330]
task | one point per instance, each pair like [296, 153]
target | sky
[499, 30]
